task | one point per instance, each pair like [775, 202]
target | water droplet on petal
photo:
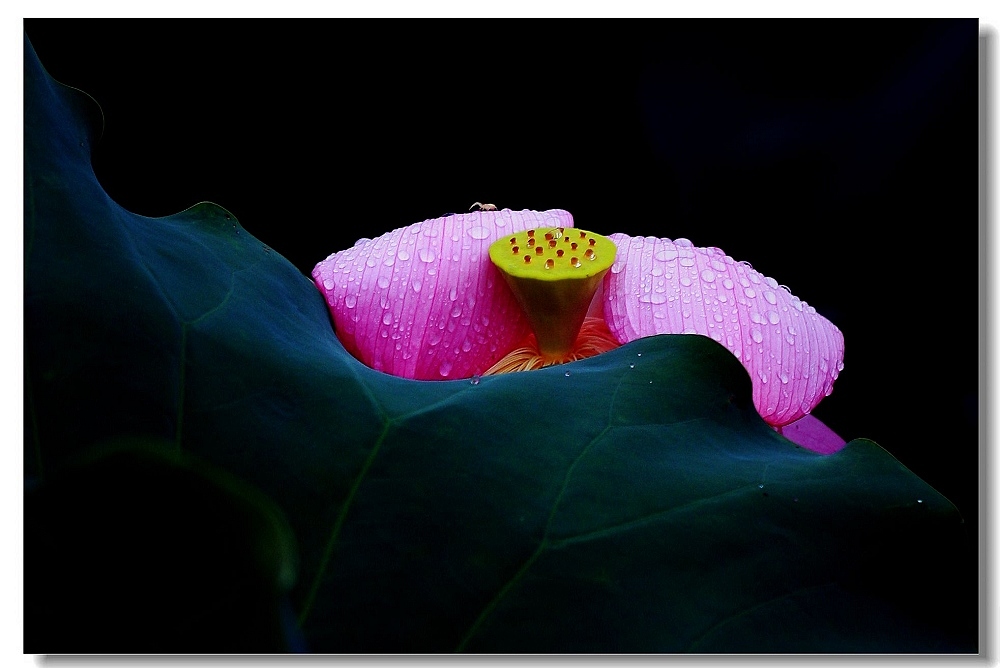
[383, 282]
[769, 296]
[773, 317]
[478, 233]
[756, 335]
[749, 292]
[403, 255]
[416, 285]
[425, 255]
[387, 318]
[445, 368]
[328, 283]
[666, 255]
[707, 275]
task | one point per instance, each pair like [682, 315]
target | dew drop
[616, 267]
[387, 318]
[784, 379]
[566, 374]
[687, 261]
[350, 301]
[478, 233]
[749, 292]
[370, 262]
[769, 296]
[403, 255]
[445, 368]
[773, 317]
[425, 255]
[756, 335]
[416, 285]
[383, 282]
[707, 275]
[328, 283]
[666, 255]
[474, 380]
[453, 295]
[631, 365]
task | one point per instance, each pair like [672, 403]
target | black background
[838, 157]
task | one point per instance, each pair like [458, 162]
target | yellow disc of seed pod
[554, 272]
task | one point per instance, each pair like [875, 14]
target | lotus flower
[427, 302]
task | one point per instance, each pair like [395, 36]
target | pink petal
[659, 286]
[812, 434]
[424, 301]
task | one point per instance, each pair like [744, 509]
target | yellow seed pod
[554, 272]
